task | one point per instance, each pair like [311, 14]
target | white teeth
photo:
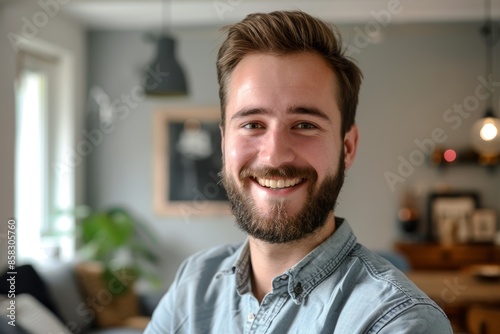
[278, 184]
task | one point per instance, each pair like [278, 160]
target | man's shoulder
[390, 282]
[385, 293]
[381, 270]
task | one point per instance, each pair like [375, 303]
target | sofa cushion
[33, 316]
[5, 327]
[61, 281]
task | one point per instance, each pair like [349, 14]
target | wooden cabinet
[422, 256]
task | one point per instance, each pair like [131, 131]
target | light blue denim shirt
[339, 287]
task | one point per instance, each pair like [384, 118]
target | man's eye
[305, 126]
[252, 126]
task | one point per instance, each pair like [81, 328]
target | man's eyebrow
[292, 110]
[251, 111]
[308, 111]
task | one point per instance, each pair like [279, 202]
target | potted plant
[118, 241]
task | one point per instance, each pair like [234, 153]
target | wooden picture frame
[187, 160]
[449, 216]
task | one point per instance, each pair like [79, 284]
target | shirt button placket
[252, 328]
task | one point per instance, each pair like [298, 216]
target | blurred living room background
[88, 138]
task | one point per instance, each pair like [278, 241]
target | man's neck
[270, 260]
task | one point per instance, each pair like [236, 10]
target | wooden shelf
[432, 256]
[467, 157]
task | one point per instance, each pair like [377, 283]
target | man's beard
[278, 226]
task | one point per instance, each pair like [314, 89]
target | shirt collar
[242, 270]
[308, 272]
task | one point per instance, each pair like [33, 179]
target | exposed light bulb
[488, 132]
[485, 136]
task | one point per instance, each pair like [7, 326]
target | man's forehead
[298, 83]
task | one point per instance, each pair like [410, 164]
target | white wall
[412, 77]
[59, 32]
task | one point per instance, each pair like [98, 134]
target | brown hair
[282, 33]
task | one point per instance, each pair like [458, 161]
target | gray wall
[412, 76]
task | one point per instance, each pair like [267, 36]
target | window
[41, 193]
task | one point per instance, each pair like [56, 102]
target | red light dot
[450, 155]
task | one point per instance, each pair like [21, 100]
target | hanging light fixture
[486, 131]
[164, 76]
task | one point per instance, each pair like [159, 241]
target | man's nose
[276, 148]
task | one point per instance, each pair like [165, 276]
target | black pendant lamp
[164, 76]
[485, 132]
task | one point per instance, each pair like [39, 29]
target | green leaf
[107, 233]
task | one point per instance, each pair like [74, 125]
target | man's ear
[350, 146]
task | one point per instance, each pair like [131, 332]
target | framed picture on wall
[450, 216]
[187, 161]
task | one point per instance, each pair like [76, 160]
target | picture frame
[187, 161]
[484, 226]
[449, 216]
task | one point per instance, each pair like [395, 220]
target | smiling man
[288, 100]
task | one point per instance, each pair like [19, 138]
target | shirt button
[251, 317]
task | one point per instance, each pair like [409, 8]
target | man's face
[284, 157]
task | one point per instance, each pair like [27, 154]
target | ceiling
[148, 14]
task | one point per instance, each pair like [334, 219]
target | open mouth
[278, 183]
